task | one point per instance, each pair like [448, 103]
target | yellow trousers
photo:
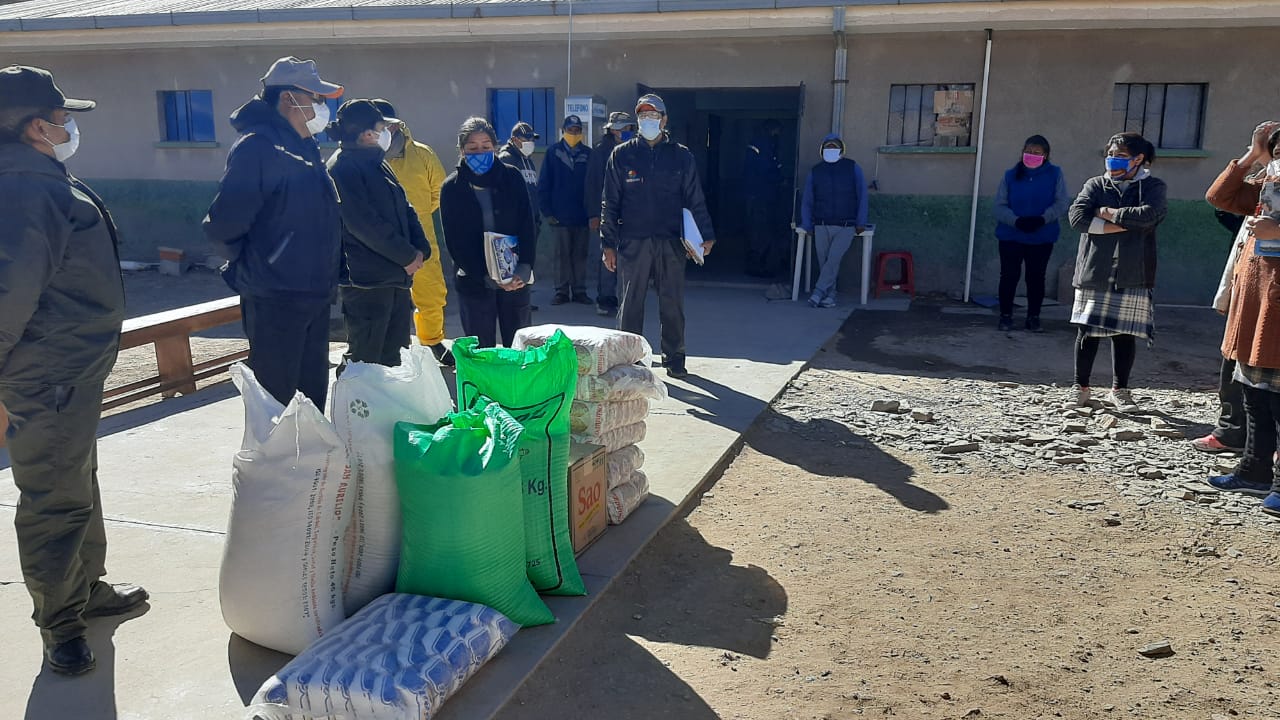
[429, 295]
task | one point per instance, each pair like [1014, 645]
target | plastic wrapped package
[624, 382]
[595, 418]
[624, 499]
[616, 439]
[599, 349]
[399, 658]
[622, 463]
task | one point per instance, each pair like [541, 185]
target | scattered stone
[1232, 552]
[1000, 679]
[1206, 551]
[956, 448]
[1075, 427]
[885, 406]
[921, 416]
[974, 712]
[1157, 650]
[1030, 440]
[1152, 473]
[1133, 631]
[1108, 422]
[1111, 521]
[1086, 442]
[1008, 384]
[1159, 422]
[1170, 433]
[1069, 460]
[1085, 504]
[1126, 435]
[945, 696]
[1229, 522]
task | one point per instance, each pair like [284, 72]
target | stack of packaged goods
[615, 386]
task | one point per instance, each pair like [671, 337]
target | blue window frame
[333, 104]
[186, 115]
[536, 106]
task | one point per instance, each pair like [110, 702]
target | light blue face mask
[481, 162]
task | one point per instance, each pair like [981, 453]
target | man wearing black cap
[61, 307]
[620, 128]
[382, 238]
[275, 220]
[518, 153]
[648, 183]
[560, 193]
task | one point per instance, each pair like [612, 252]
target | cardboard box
[952, 125]
[588, 487]
[952, 102]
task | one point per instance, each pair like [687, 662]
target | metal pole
[840, 79]
[568, 83]
[977, 168]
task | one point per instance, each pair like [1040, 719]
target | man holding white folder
[650, 186]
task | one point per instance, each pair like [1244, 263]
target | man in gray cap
[649, 182]
[275, 219]
[620, 128]
[61, 307]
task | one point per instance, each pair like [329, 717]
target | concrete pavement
[166, 488]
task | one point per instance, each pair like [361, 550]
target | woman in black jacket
[484, 195]
[1116, 214]
[382, 239]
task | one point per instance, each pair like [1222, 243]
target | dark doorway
[718, 125]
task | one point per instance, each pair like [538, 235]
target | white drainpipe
[840, 80]
[977, 169]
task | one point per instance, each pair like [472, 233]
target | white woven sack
[280, 584]
[368, 401]
[599, 349]
[622, 463]
[624, 499]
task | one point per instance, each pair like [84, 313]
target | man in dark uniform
[61, 308]
[648, 183]
[620, 128]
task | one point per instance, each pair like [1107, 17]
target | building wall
[1056, 83]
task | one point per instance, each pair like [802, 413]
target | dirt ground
[834, 571]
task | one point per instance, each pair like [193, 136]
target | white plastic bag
[614, 440]
[399, 658]
[599, 349]
[368, 401]
[280, 585]
[624, 499]
[624, 382]
[595, 418]
[622, 463]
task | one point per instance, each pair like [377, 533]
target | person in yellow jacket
[418, 169]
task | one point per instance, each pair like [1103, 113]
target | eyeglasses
[649, 115]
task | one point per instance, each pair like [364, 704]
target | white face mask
[650, 129]
[384, 139]
[63, 151]
[830, 154]
[527, 147]
[318, 123]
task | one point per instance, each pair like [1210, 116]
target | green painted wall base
[156, 213]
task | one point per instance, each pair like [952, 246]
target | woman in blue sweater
[1031, 198]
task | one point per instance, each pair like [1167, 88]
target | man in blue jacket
[560, 193]
[275, 219]
[648, 183]
[833, 210]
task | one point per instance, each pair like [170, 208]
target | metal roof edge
[609, 7]
[702, 5]
[306, 14]
[56, 23]
[400, 12]
[216, 17]
[467, 9]
[104, 22]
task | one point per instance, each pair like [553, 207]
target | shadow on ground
[87, 697]
[726, 608]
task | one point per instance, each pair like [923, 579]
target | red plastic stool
[907, 279]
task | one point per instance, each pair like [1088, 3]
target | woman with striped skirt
[1117, 214]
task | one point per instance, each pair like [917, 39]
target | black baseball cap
[356, 116]
[524, 131]
[572, 121]
[25, 86]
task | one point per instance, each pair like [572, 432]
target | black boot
[72, 657]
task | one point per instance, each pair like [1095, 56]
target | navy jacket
[646, 189]
[381, 232]
[593, 191]
[834, 194]
[561, 184]
[463, 220]
[275, 217]
[1025, 193]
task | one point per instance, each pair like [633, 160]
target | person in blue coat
[1032, 196]
[833, 210]
[561, 189]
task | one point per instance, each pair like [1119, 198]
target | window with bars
[186, 115]
[926, 115]
[1169, 115]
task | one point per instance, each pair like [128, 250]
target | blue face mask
[627, 135]
[1117, 164]
[480, 163]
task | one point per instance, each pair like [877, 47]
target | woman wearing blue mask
[1117, 214]
[1032, 196]
[482, 196]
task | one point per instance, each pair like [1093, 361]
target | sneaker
[677, 371]
[1006, 324]
[1033, 325]
[828, 302]
[1271, 504]
[1235, 483]
[1084, 396]
[560, 299]
[815, 301]
[606, 310]
[1211, 444]
[1122, 400]
[583, 299]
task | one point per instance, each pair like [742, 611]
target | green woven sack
[460, 499]
[536, 386]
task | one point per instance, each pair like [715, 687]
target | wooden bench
[170, 332]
